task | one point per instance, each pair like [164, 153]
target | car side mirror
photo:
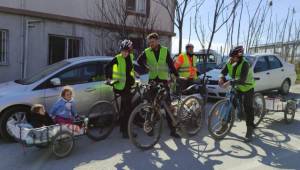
[55, 82]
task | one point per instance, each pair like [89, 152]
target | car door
[261, 74]
[105, 91]
[84, 79]
[276, 71]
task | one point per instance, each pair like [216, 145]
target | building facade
[36, 33]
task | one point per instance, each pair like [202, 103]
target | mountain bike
[146, 121]
[107, 113]
[223, 113]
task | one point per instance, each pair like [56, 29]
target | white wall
[15, 42]
[84, 9]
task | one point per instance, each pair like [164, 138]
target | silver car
[84, 74]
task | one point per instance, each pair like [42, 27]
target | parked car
[271, 72]
[84, 74]
[213, 59]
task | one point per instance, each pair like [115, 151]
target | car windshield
[46, 71]
[221, 66]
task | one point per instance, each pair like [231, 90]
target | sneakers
[222, 129]
[249, 137]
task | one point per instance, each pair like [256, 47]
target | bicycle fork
[225, 111]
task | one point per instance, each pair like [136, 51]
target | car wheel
[16, 114]
[285, 87]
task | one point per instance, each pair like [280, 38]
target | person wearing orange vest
[185, 64]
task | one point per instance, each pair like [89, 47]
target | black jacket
[37, 120]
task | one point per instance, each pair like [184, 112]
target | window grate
[3, 47]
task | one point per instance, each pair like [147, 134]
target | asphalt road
[276, 146]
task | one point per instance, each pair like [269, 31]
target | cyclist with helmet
[121, 70]
[185, 64]
[158, 61]
[239, 71]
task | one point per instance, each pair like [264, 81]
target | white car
[271, 72]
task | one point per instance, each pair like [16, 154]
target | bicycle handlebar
[111, 83]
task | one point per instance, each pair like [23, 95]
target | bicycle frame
[231, 97]
[159, 103]
[114, 101]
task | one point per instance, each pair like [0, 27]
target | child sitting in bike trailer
[38, 117]
[63, 111]
[37, 129]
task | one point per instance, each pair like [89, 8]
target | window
[130, 4]
[274, 62]
[78, 75]
[61, 48]
[137, 6]
[3, 47]
[211, 59]
[261, 65]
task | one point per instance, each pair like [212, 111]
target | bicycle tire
[62, 140]
[193, 119]
[102, 116]
[210, 119]
[290, 109]
[261, 113]
[136, 114]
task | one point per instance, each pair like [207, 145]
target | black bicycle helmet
[125, 44]
[238, 50]
[189, 45]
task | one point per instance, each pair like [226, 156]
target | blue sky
[279, 8]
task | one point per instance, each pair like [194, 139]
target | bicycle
[110, 111]
[223, 113]
[146, 120]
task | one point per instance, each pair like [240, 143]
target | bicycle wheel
[102, 118]
[290, 110]
[62, 144]
[221, 118]
[259, 108]
[191, 115]
[144, 126]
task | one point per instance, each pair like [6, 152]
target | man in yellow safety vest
[159, 63]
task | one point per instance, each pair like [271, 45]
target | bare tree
[110, 15]
[113, 12]
[199, 26]
[239, 25]
[182, 7]
[222, 14]
[256, 23]
[296, 40]
[146, 25]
